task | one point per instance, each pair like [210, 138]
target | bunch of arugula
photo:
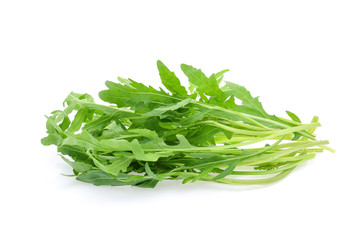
[202, 134]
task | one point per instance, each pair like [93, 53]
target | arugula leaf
[133, 94]
[98, 178]
[171, 107]
[140, 154]
[77, 166]
[119, 165]
[220, 75]
[52, 139]
[293, 116]
[149, 172]
[150, 183]
[249, 101]
[170, 81]
[204, 135]
[79, 119]
[208, 86]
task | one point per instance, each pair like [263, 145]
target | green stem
[232, 112]
[236, 130]
[256, 181]
[229, 180]
[272, 156]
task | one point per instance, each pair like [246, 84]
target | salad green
[146, 135]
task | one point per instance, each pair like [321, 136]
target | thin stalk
[216, 148]
[289, 121]
[232, 112]
[272, 156]
[243, 125]
[256, 181]
[236, 130]
[270, 137]
[229, 180]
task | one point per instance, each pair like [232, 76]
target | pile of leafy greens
[147, 135]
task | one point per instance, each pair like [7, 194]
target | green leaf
[151, 183]
[296, 136]
[203, 173]
[293, 116]
[249, 101]
[87, 141]
[77, 166]
[79, 119]
[98, 178]
[170, 81]
[134, 93]
[96, 161]
[204, 135]
[119, 165]
[139, 153]
[226, 172]
[61, 116]
[203, 84]
[220, 75]
[171, 107]
[77, 153]
[52, 139]
[78, 101]
[146, 133]
[186, 180]
[230, 102]
[99, 123]
[113, 145]
[149, 172]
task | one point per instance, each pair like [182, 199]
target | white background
[302, 56]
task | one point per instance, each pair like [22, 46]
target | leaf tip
[184, 66]
[158, 62]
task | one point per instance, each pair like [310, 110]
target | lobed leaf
[170, 81]
[203, 84]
